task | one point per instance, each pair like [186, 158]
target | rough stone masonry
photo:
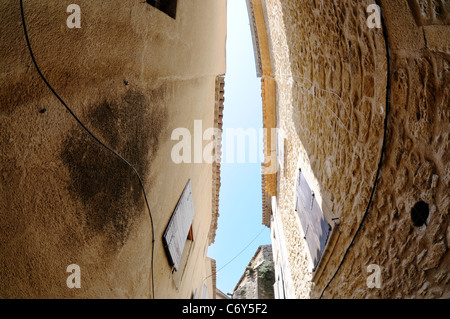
[332, 72]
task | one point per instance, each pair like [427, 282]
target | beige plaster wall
[64, 199]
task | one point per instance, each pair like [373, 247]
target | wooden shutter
[177, 230]
[314, 224]
[169, 7]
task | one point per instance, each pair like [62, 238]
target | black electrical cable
[238, 254]
[92, 135]
[383, 148]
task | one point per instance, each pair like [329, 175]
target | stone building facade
[362, 115]
[258, 278]
[133, 72]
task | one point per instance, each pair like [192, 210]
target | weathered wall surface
[64, 199]
[331, 72]
[258, 278]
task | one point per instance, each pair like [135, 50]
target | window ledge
[329, 248]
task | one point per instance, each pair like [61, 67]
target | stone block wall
[132, 75]
[332, 72]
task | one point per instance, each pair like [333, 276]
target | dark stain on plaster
[107, 186]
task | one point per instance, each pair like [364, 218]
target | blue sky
[240, 205]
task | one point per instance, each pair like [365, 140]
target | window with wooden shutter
[179, 227]
[169, 7]
[280, 148]
[314, 224]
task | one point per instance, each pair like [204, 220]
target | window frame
[168, 7]
[179, 228]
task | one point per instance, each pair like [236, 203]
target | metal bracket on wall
[336, 223]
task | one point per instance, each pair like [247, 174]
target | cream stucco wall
[65, 200]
